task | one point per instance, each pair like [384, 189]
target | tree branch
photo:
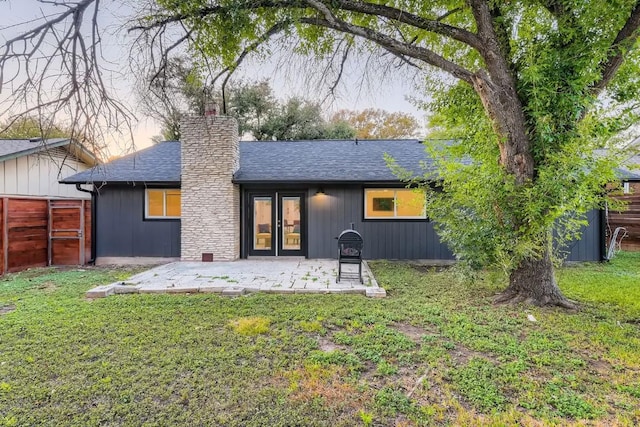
[625, 39]
[394, 46]
[263, 38]
[344, 56]
[448, 14]
[416, 21]
[275, 29]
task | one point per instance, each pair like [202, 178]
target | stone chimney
[210, 225]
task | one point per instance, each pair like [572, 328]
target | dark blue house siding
[334, 211]
[122, 230]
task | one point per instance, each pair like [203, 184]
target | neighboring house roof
[273, 161]
[13, 148]
[627, 175]
[158, 163]
[630, 170]
[629, 167]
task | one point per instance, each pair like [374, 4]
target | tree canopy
[32, 127]
[526, 90]
[260, 113]
[374, 123]
[181, 89]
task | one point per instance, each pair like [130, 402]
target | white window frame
[164, 203]
[395, 205]
[626, 187]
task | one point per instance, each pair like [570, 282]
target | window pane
[155, 200]
[379, 203]
[410, 203]
[262, 232]
[291, 223]
[173, 202]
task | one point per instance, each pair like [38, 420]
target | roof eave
[82, 153]
[131, 182]
[34, 150]
[78, 150]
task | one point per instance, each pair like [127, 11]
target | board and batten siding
[334, 211]
[38, 174]
[122, 230]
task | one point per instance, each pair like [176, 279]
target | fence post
[5, 234]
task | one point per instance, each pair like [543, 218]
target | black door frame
[276, 222]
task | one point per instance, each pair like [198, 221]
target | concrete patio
[233, 278]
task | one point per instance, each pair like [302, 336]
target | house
[33, 167]
[211, 197]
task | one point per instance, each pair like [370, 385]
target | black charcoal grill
[350, 251]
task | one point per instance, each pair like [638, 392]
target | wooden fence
[629, 219]
[41, 232]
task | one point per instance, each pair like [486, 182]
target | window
[162, 203]
[390, 203]
[626, 189]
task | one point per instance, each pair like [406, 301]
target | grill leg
[360, 272]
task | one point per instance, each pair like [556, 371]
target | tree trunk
[534, 282]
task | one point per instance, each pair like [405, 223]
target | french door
[277, 224]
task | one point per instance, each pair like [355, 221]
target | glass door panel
[291, 222]
[262, 223]
[291, 230]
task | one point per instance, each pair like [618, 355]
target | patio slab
[234, 278]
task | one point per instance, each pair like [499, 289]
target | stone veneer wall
[210, 201]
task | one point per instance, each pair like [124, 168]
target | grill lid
[350, 236]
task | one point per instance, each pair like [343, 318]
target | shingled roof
[273, 162]
[158, 163]
[326, 160]
[13, 148]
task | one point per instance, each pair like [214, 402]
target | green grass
[434, 352]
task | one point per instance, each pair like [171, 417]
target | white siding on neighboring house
[38, 175]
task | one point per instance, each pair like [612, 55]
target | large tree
[530, 87]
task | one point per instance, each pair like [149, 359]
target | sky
[362, 85]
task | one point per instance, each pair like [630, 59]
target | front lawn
[434, 352]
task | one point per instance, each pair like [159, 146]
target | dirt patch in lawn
[461, 355]
[415, 333]
[325, 344]
[47, 286]
[7, 309]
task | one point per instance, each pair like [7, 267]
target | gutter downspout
[94, 212]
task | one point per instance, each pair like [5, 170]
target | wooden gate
[66, 232]
[39, 232]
